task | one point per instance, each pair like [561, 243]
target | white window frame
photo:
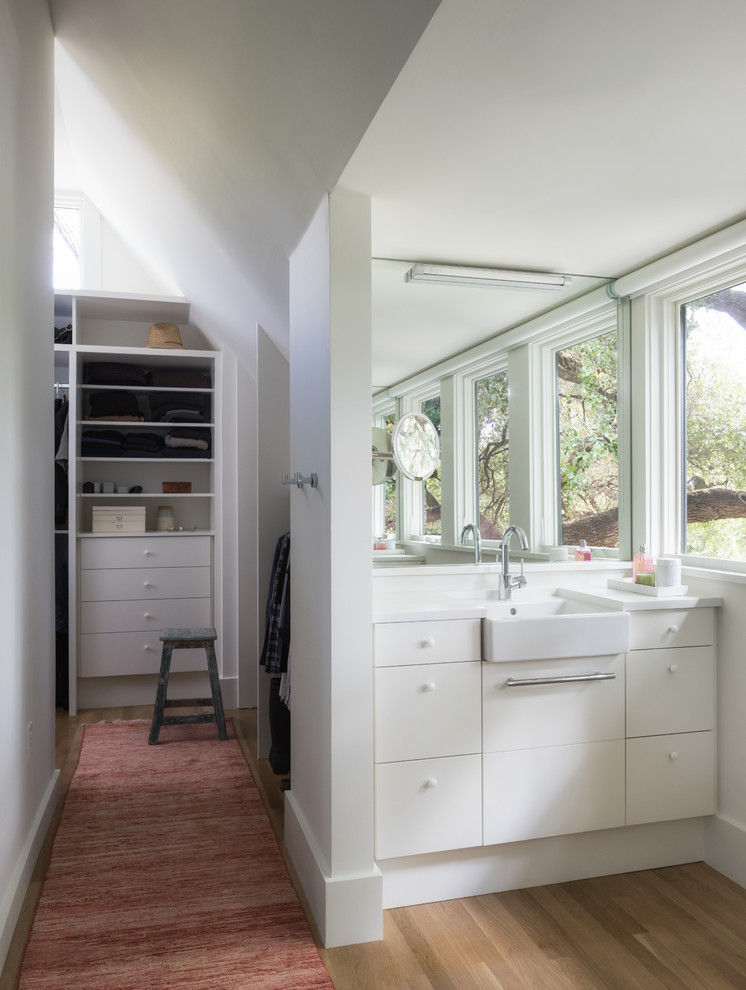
[544, 471]
[658, 419]
[382, 406]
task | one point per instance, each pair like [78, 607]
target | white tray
[627, 584]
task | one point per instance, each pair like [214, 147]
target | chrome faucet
[474, 530]
[508, 583]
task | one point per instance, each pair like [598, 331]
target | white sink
[553, 627]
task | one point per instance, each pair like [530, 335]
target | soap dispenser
[582, 551]
[642, 563]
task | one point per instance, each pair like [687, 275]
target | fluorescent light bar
[492, 277]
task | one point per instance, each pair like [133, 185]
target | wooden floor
[680, 928]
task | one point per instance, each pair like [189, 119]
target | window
[714, 401]
[491, 435]
[431, 492]
[587, 442]
[67, 240]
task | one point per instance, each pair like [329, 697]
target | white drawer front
[428, 805]
[401, 643]
[534, 715]
[145, 551]
[167, 613]
[428, 710]
[671, 627]
[125, 584]
[114, 654]
[670, 777]
[670, 690]
[534, 793]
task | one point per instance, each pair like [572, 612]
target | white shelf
[139, 495]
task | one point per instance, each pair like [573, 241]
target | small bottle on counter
[642, 563]
[582, 551]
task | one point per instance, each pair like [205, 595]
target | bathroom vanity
[565, 732]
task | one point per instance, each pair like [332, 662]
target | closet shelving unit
[125, 587]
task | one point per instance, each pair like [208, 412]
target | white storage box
[118, 519]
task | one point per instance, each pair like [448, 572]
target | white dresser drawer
[428, 805]
[655, 630]
[401, 643]
[124, 616]
[533, 793]
[133, 583]
[428, 710]
[145, 551]
[115, 654]
[533, 715]
[670, 690]
[670, 777]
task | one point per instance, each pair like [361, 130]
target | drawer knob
[431, 782]
[427, 643]
[147, 584]
[429, 686]
[147, 553]
[673, 667]
[673, 756]
[673, 629]
[147, 615]
[148, 648]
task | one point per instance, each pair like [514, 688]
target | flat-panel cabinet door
[533, 793]
[428, 710]
[426, 806]
[670, 690]
[670, 777]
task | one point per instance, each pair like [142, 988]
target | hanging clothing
[276, 649]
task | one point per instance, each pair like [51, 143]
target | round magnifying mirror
[416, 446]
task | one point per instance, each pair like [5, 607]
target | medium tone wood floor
[680, 928]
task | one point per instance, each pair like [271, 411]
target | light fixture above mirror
[488, 277]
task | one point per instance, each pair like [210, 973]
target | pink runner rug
[165, 873]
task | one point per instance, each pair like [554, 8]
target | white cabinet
[553, 741]
[144, 432]
[428, 779]
[671, 715]
[128, 594]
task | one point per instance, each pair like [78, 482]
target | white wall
[329, 812]
[28, 786]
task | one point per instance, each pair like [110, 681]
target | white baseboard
[346, 909]
[15, 893]
[725, 848]
[485, 870]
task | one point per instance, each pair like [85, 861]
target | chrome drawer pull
[561, 679]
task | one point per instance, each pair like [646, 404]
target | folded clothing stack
[118, 405]
[112, 373]
[178, 378]
[101, 443]
[143, 445]
[179, 407]
[188, 443]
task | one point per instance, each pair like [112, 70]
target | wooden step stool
[188, 639]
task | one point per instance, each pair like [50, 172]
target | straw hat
[164, 335]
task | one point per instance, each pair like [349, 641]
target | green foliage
[492, 436]
[431, 486]
[588, 434]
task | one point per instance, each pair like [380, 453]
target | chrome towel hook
[299, 481]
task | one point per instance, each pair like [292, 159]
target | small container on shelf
[118, 519]
[165, 522]
[583, 551]
[176, 487]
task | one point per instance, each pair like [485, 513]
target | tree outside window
[587, 442]
[492, 440]
[714, 486]
[431, 486]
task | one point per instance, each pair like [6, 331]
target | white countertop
[419, 605]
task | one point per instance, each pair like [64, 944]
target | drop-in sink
[553, 627]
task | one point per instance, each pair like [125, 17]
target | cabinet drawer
[671, 627]
[401, 643]
[670, 777]
[125, 584]
[114, 654]
[670, 690]
[556, 790]
[428, 805]
[167, 613]
[145, 551]
[534, 715]
[428, 710]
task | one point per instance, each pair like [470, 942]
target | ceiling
[585, 138]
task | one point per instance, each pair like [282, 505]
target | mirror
[414, 449]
